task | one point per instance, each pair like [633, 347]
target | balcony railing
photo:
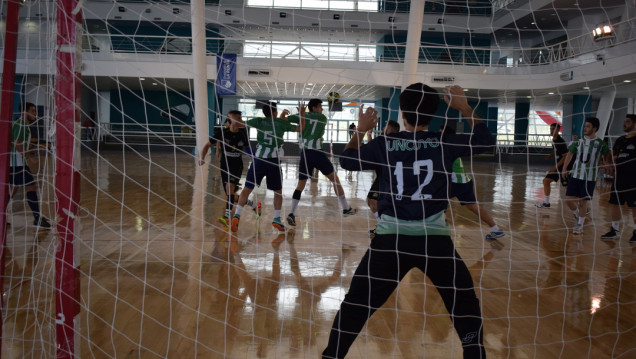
[365, 52]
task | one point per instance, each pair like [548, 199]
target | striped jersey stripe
[588, 154]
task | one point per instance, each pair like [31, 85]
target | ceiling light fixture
[605, 32]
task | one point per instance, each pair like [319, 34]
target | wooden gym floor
[154, 285]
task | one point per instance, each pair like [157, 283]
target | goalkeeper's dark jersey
[415, 168]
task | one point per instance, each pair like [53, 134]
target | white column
[200, 74]
[103, 114]
[197, 221]
[631, 105]
[413, 41]
[566, 124]
[615, 126]
[604, 111]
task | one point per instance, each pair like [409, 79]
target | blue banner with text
[226, 74]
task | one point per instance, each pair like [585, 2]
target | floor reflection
[544, 292]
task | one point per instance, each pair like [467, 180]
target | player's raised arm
[283, 115]
[456, 99]
[301, 114]
[367, 120]
[481, 139]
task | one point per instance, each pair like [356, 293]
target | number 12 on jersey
[417, 168]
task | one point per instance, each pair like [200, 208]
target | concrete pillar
[522, 110]
[615, 126]
[631, 105]
[226, 104]
[213, 114]
[391, 107]
[566, 125]
[413, 42]
[492, 115]
[103, 113]
[581, 109]
[604, 112]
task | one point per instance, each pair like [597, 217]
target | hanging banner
[226, 74]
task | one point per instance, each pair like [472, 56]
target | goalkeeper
[412, 232]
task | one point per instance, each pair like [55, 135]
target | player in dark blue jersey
[412, 232]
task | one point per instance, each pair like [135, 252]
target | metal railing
[624, 32]
[133, 133]
[384, 52]
[506, 142]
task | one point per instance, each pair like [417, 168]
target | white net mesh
[160, 276]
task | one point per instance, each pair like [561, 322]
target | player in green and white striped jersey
[589, 151]
[266, 162]
[312, 156]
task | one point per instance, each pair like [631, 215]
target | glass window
[366, 53]
[337, 129]
[290, 4]
[315, 52]
[310, 51]
[260, 49]
[342, 5]
[506, 125]
[285, 50]
[539, 121]
[347, 5]
[314, 4]
[259, 2]
[368, 5]
[342, 52]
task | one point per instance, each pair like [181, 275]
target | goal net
[153, 270]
